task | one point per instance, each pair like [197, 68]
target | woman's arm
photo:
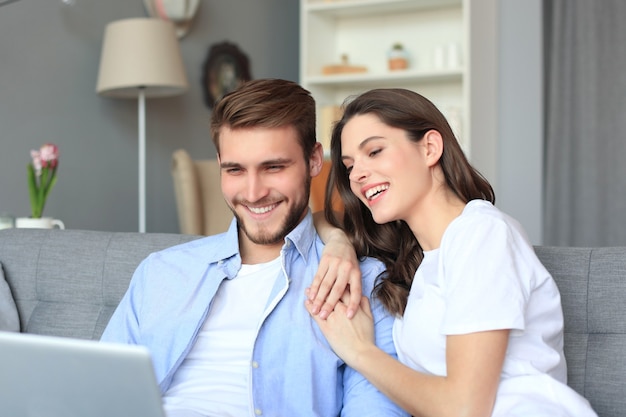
[338, 270]
[474, 362]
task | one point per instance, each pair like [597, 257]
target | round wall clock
[225, 68]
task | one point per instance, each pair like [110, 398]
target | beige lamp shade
[141, 53]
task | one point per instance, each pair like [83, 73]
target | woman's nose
[357, 173]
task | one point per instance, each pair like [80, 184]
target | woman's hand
[338, 272]
[347, 337]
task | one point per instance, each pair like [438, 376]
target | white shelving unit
[435, 33]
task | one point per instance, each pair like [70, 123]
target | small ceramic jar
[398, 58]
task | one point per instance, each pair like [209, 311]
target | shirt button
[255, 364]
[258, 412]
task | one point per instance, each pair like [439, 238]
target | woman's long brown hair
[393, 243]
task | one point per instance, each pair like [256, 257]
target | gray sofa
[68, 282]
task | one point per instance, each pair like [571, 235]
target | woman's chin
[381, 218]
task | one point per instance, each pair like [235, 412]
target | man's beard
[291, 221]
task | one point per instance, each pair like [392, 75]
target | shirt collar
[302, 237]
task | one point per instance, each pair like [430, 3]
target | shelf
[390, 78]
[340, 8]
[434, 34]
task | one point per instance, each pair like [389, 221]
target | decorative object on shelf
[141, 58]
[42, 176]
[454, 55]
[7, 221]
[39, 223]
[180, 13]
[344, 68]
[398, 57]
[447, 56]
[225, 68]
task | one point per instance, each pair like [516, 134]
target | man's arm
[338, 270]
[361, 398]
[123, 327]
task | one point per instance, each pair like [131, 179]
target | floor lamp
[141, 59]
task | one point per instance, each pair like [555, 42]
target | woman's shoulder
[477, 212]
[484, 224]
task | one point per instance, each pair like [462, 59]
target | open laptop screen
[65, 377]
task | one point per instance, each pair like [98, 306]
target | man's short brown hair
[267, 103]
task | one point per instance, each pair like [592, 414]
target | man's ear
[317, 160]
[433, 142]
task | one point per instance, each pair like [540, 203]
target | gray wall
[49, 57]
[520, 154]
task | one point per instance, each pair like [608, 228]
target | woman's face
[388, 172]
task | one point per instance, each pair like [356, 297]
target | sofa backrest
[592, 283]
[68, 282]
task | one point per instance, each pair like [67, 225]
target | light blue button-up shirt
[294, 370]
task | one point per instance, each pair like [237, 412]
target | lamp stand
[142, 159]
[141, 59]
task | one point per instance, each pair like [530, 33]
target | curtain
[585, 125]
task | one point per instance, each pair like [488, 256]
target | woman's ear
[316, 160]
[433, 141]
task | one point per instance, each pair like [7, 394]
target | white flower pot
[39, 223]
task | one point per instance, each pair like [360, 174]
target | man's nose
[255, 188]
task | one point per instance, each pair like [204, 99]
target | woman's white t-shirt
[486, 276]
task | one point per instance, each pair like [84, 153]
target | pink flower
[49, 154]
[36, 162]
[42, 176]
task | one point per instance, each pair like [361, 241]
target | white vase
[39, 223]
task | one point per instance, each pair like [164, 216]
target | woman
[479, 327]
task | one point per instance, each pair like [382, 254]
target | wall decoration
[225, 68]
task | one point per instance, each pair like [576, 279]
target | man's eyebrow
[229, 165]
[269, 162]
[277, 161]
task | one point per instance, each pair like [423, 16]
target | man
[224, 316]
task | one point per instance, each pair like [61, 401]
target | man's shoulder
[371, 269]
[371, 265]
[210, 248]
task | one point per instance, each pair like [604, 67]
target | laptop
[49, 376]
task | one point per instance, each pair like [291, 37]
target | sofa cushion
[69, 282]
[592, 283]
[9, 320]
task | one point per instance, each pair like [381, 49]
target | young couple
[478, 325]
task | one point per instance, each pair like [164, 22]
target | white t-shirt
[486, 276]
[214, 378]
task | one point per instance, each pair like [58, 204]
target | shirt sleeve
[123, 327]
[483, 275]
[361, 398]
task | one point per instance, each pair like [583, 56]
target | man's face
[266, 181]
